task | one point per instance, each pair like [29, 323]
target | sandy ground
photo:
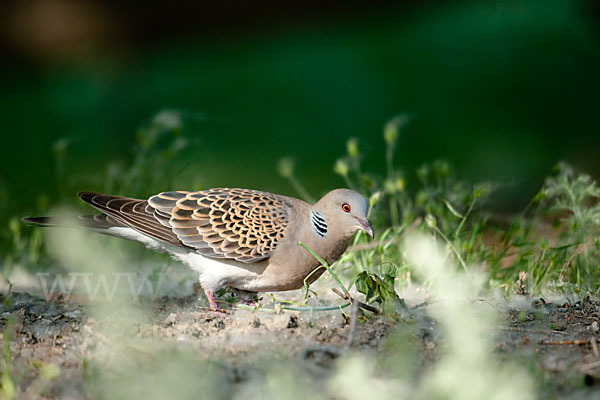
[50, 341]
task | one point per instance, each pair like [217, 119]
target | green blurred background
[501, 89]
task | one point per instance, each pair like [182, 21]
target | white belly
[214, 272]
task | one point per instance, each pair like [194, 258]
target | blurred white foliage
[468, 369]
[358, 379]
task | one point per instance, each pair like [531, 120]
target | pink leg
[212, 302]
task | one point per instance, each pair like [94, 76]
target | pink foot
[212, 302]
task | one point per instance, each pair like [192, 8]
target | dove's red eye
[346, 207]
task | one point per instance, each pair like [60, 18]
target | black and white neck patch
[318, 223]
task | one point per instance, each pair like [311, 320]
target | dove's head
[346, 209]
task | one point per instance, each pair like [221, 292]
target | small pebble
[595, 326]
[170, 320]
[293, 322]
[73, 314]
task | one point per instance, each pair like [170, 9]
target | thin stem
[306, 288]
[298, 187]
[349, 183]
[464, 218]
[439, 232]
[394, 211]
[389, 155]
[323, 265]
[294, 308]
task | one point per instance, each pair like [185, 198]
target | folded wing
[240, 224]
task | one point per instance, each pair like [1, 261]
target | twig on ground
[424, 304]
[584, 317]
[578, 342]
[525, 330]
[360, 304]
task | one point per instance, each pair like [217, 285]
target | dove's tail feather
[136, 214]
[123, 217]
[98, 222]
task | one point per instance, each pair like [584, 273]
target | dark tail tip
[44, 221]
[86, 196]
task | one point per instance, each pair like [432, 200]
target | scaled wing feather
[240, 224]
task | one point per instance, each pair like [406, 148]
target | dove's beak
[365, 226]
